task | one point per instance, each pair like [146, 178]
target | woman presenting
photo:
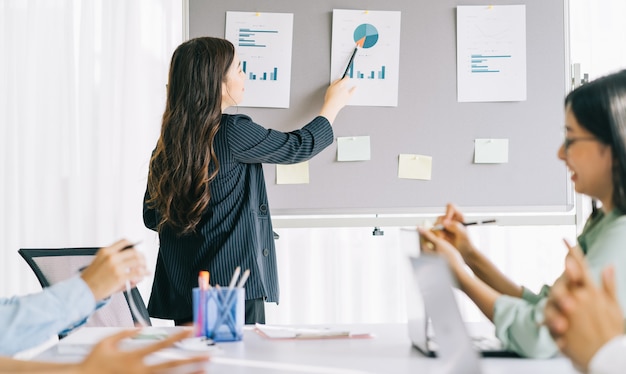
[206, 194]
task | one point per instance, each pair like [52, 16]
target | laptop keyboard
[480, 343]
[486, 343]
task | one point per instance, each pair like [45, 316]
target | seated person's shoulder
[610, 240]
[618, 225]
[621, 219]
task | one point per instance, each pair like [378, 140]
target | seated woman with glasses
[594, 150]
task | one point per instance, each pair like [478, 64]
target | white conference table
[389, 351]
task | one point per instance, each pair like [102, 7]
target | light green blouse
[517, 321]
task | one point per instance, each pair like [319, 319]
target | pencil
[479, 222]
[472, 223]
[130, 246]
[350, 62]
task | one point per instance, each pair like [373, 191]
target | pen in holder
[224, 313]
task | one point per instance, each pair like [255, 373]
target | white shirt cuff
[610, 358]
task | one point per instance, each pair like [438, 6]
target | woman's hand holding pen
[113, 267]
[338, 94]
[435, 244]
[455, 233]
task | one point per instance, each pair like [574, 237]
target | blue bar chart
[379, 74]
[486, 63]
[248, 37]
[263, 76]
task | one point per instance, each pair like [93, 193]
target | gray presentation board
[428, 119]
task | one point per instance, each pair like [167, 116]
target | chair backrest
[52, 265]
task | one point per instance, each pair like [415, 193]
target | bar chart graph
[263, 42]
[263, 76]
[248, 37]
[378, 74]
[481, 63]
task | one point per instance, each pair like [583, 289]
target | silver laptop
[432, 310]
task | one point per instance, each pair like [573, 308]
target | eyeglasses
[567, 142]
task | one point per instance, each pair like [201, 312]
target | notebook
[431, 303]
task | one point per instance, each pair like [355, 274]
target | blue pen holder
[222, 313]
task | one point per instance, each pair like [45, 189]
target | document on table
[286, 332]
[84, 339]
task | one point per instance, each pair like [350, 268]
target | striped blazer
[236, 229]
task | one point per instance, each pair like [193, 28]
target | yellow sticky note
[415, 167]
[353, 148]
[491, 151]
[293, 174]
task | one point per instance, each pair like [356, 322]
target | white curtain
[82, 93]
[346, 275]
[597, 35]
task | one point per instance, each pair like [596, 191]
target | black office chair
[52, 265]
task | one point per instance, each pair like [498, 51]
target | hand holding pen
[338, 94]
[112, 268]
[123, 264]
[470, 223]
[138, 317]
[451, 227]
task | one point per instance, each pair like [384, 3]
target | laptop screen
[416, 312]
[430, 294]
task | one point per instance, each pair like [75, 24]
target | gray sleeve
[252, 143]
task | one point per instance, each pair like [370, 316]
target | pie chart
[365, 35]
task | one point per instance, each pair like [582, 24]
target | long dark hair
[184, 162]
[600, 107]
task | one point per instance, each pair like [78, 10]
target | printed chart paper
[263, 42]
[491, 53]
[374, 70]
